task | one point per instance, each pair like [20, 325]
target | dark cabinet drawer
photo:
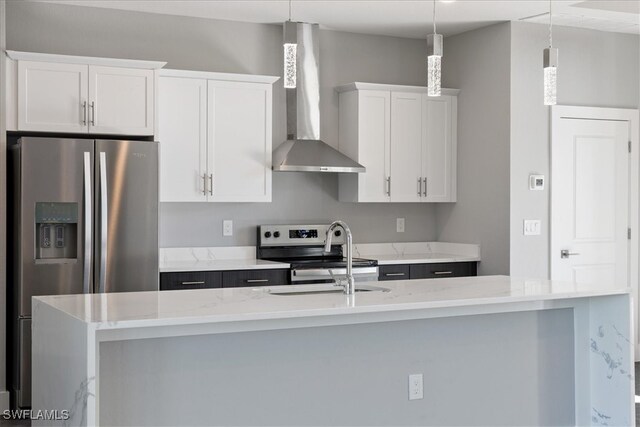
[190, 280]
[251, 278]
[440, 270]
[394, 272]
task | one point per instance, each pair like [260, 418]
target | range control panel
[297, 235]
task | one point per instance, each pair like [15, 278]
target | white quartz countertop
[166, 308]
[219, 265]
[426, 258]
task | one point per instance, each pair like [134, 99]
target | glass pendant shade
[550, 61]
[434, 72]
[290, 58]
[434, 65]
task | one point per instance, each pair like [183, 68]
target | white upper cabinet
[52, 97]
[239, 134]
[405, 139]
[60, 93]
[364, 132]
[182, 132]
[439, 148]
[121, 100]
[215, 134]
[406, 147]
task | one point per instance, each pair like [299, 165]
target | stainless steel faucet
[350, 287]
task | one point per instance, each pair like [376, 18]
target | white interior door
[590, 201]
[406, 147]
[182, 133]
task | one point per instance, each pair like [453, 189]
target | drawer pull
[394, 274]
[192, 283]
[443, 272]
[257, 280]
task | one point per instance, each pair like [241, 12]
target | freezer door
[126, 236]
[53, 216]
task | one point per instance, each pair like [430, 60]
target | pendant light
[290, 55]
[550, 63]
[434, 59]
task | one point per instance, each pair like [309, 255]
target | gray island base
[492, 350]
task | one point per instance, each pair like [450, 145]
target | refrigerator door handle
[104, 212]
[88, 220]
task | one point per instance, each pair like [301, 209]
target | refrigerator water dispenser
[56, 231]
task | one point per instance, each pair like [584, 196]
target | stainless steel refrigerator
[83, 219]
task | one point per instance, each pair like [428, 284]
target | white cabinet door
[121, 100]
[239, 135]
[406, 147]
[182, 133]
[374, 122]
[438, 164]
[52, 97]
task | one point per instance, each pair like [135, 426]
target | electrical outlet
[416, 390]
[532, 227]
[227, 227]
[400, 225]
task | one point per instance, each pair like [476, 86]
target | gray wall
[514, 369]
[596, 69]
[477, 62]
[4, 396]
[211, 45]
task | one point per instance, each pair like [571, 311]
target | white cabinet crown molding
[392, 88]
[84, 60]
[212, 75]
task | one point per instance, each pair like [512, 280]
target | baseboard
[4, 400]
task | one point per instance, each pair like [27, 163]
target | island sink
[320, 289]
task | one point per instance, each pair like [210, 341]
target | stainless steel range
[302, 246]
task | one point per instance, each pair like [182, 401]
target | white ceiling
[402, 18]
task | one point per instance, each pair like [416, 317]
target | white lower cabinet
[405, 139]
[215, 137]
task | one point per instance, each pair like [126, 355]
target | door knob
[564, 253]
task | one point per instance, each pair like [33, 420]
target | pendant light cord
[289, 10]
[434, 16]
[550, 24]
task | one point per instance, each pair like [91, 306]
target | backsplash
[309, 198]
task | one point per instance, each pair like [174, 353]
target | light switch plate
[400, 225]
[532, 227]
[227, 227]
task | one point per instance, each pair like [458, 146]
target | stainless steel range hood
[304, 151]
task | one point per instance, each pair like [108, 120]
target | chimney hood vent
[304, 151]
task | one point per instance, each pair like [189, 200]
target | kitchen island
[491, 350]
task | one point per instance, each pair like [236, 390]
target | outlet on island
[400, 225]
[415, 387]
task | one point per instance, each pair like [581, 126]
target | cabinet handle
[211, 184]
[393, 274]
[84, 113]
[204, 184]
[257, 280]
[442, 272]
[419, 187]
[93, 113]
[389, 186]
[425, 187]
[192, 283]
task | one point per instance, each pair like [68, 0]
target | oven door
[324, 275]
